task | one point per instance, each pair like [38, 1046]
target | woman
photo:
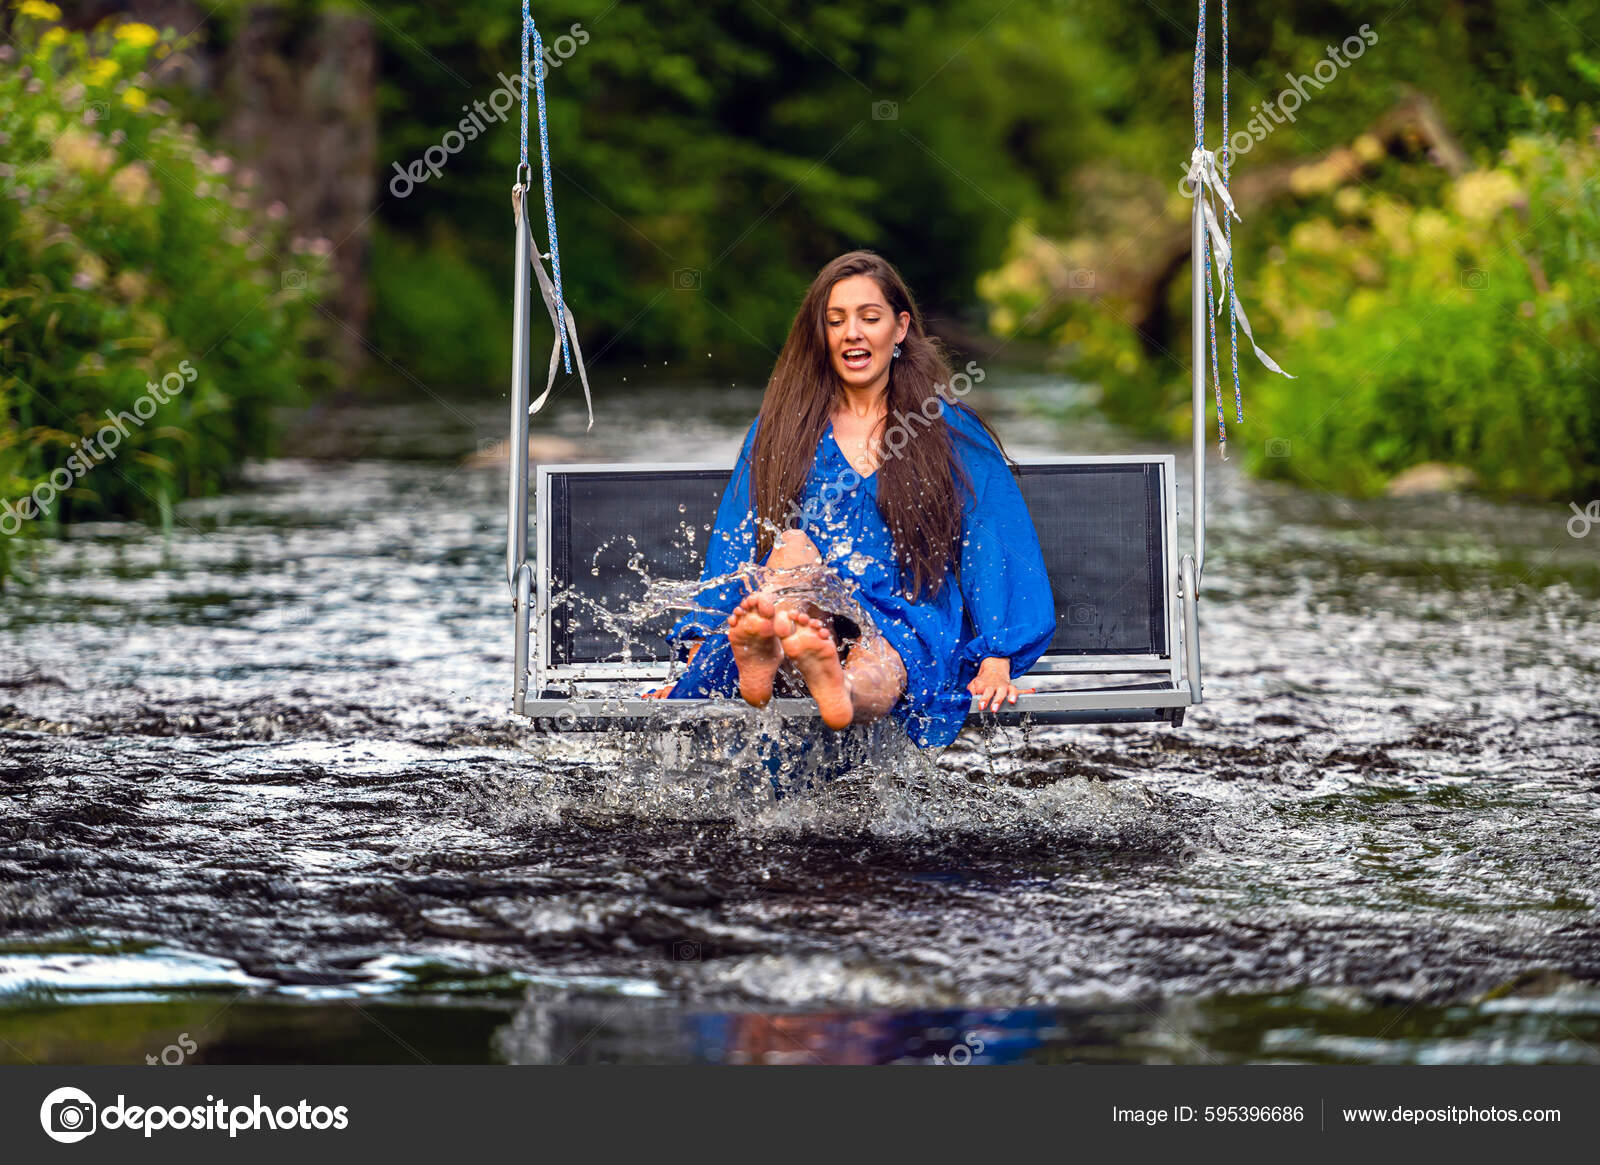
[861, 465]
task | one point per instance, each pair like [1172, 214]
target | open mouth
[856, 358]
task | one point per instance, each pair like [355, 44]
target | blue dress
[1001, 604]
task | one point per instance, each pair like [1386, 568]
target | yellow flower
[132, 286]
[52, 37]
[139, 35]
[1315, 237]
[1393, 224]
[83, 152]
[1430, 226]
[39, 10]
[102, 71]
[1368, 148]
[1349, 201]
[135, 99]
[132, 184]
[1483, 194]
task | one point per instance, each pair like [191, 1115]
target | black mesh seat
[1107, 527]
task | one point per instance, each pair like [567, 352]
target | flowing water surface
[262, 799]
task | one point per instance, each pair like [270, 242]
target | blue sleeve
[732, 542]
[1004, 583]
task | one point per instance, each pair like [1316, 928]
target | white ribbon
[547, 288]
[1205, 180]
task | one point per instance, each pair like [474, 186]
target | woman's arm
[1004, 583]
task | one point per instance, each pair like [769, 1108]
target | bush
[152, 313]
[1464, 332]
[442, 312]
[1426, 319]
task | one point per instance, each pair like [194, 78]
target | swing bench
[1127, 643]
[1107, 526]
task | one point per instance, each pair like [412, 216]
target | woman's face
[862, 331]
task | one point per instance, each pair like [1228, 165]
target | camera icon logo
[294, 280]
[885, 111]
[1474, 279]
[685, 952]
[67, 1115]
[686, 279]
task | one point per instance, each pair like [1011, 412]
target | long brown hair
[920, 486]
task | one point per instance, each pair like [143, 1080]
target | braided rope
[1209, 178]
[1230, 297]
[1205, 262]
[1226, 153]
[531, 32]
[527, 23]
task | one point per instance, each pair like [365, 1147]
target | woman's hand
[992, 685]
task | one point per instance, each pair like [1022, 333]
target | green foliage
[1420, 326]
[1425, 320]
[1464, 330]
[444, 312]
[130, 257]
[710, 157]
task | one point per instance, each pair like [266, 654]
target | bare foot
[756, 650]
[810, 644]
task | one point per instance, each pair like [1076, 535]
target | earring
[897, 351]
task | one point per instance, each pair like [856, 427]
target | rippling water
[260, 789]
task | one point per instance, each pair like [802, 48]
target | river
[262, 799]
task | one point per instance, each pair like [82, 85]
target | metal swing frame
[585, 704]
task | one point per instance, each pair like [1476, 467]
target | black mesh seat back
[1100, 525]
[599, 524]
[1101, 528]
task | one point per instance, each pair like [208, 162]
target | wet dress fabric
[998, 605]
